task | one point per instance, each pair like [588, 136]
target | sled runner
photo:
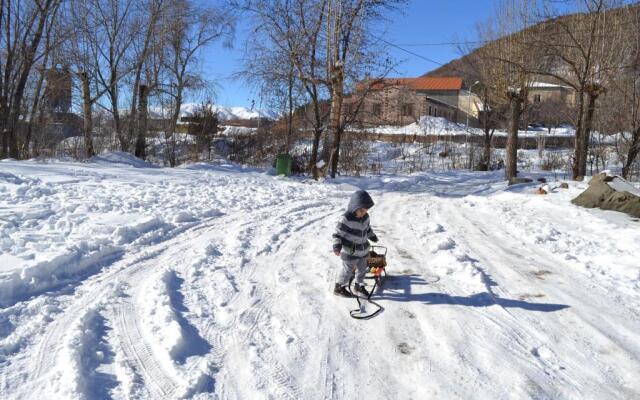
[377, 262]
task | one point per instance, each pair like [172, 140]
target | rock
[564, 185]
[602, 177]
[601, 195]
[542, 180]
[540, 191]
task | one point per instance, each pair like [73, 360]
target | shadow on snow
[400, 288]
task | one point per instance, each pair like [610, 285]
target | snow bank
[428, 125]
[118, 157]
[80, 259]
[161, 321]
[238, 131]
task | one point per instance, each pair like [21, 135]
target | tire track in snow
[415, 238]
[239, 256]
[525, 331]
[254, 328]
[101, 287]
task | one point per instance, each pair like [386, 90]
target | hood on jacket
[359, 199]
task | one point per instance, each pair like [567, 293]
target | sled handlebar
[379, 247]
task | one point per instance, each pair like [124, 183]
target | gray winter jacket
[352, 234]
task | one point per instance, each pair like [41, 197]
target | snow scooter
[377, 262]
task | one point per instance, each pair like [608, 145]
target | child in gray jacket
[351, 243]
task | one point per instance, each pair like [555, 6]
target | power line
[410, 52]
[444, 43]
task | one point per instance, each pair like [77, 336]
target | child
[351, 243]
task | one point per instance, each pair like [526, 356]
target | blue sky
[421, 22]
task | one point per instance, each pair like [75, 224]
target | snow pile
[70, 263]
[174, 342]
[78, 357]
[159, 318]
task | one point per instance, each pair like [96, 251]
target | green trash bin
[283, 164]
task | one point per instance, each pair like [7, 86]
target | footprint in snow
[445, 244]
[405, 348]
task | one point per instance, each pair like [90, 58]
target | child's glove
[374, 239]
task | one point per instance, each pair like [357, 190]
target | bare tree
[293, 31]
[23, 24]
[582, 51]
[148, 15]
[512, 51]
[487, 71]
[349, 43]
[188, 29]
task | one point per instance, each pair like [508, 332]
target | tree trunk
[34, 110]
[317, 133]
[170, 135]
[634, 149]
[335, 116]
[313, 163]
[511, 164]
[588, 121]
[86, 110]
[488, 134]
[142, 123]
[486, 152]
[580, 141]
[290, 115]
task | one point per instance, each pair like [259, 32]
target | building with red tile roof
[401, 101]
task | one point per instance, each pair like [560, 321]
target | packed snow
[119, 279]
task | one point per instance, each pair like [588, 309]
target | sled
[377, 262]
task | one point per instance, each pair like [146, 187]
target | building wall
[547, 93]
[402, 106]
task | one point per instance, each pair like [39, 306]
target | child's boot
[361, 290]
[341, 290]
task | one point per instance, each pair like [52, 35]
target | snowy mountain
[122, 280]
[224, 113]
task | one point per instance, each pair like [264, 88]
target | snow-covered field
[122, 280]
[428, 125]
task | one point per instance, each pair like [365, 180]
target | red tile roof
[423, 83]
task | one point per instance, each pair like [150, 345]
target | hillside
[463, 66]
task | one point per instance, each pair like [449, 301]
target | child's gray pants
[361, 267]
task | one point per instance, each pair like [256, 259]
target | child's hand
[336, 252]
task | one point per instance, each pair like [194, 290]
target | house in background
[539, 92]
[402, 101]
[56, 117]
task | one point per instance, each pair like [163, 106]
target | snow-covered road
[118, 280]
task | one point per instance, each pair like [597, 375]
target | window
[407, 110]
[376, 110]
[536, 98]
[429, 110]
